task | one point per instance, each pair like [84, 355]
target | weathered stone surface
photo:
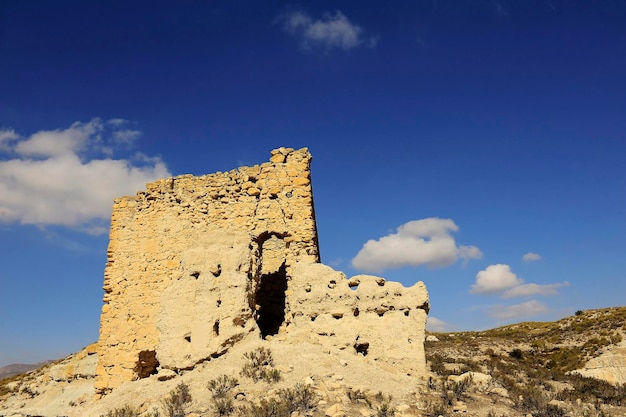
[197, 265]
[81, 365]
[609, 366]
[188, 256]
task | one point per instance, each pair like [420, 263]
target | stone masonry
[199, 264]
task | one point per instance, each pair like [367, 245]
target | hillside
[517, 370]
[575, 366]
[16, 369]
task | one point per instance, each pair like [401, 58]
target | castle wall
[184, 254]
[199, 264]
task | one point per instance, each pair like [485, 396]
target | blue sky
[478, 146]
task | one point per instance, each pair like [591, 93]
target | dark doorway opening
[270, 299]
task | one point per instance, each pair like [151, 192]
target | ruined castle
[197, 265]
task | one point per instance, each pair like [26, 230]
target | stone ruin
[197, 265]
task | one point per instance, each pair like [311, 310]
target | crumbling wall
[186, 256]
[199, 264]
[380, 320]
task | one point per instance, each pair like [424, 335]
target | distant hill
[17, 368]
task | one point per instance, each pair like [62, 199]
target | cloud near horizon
[499, 278]
[331, 31]
[418, 242]
[67, 176]
[434, 324]
[527, 290]
[526, 309]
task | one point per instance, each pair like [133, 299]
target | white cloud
[58, 143]
[332, 31]
[500, 279]
[526, 290]
[530, 257]
[434, 324]
[7, 135]
[469, 252]
[418, 242]
[517, 311]
[494, 279]
[52, 183]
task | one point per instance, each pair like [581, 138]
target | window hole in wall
[355, 312]
[195, 274]
[217, 271]
[270, 299]
[407, 312]
[216, 328]
[188, 338]
[337, 316]
[146, 364]
[361, 347]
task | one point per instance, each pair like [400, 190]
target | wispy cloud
[518, 311]
[418, 242]
[47, 179]
[527, 290]
[329, 32]
[531, 257]
[7, 135]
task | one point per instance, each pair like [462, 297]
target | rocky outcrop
[55, 389]
[609, 366]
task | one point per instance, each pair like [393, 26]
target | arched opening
[270, 301]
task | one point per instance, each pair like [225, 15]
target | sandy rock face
[609, 366]
[199, 265]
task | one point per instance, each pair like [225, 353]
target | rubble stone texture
[197, 265]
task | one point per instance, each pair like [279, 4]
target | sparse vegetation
[299, 398]
[356, 396]
[534, 363]
[385, 410]
[126, 411]
[457, 390]
[260, 366]
[174, 404]
[220, 388]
